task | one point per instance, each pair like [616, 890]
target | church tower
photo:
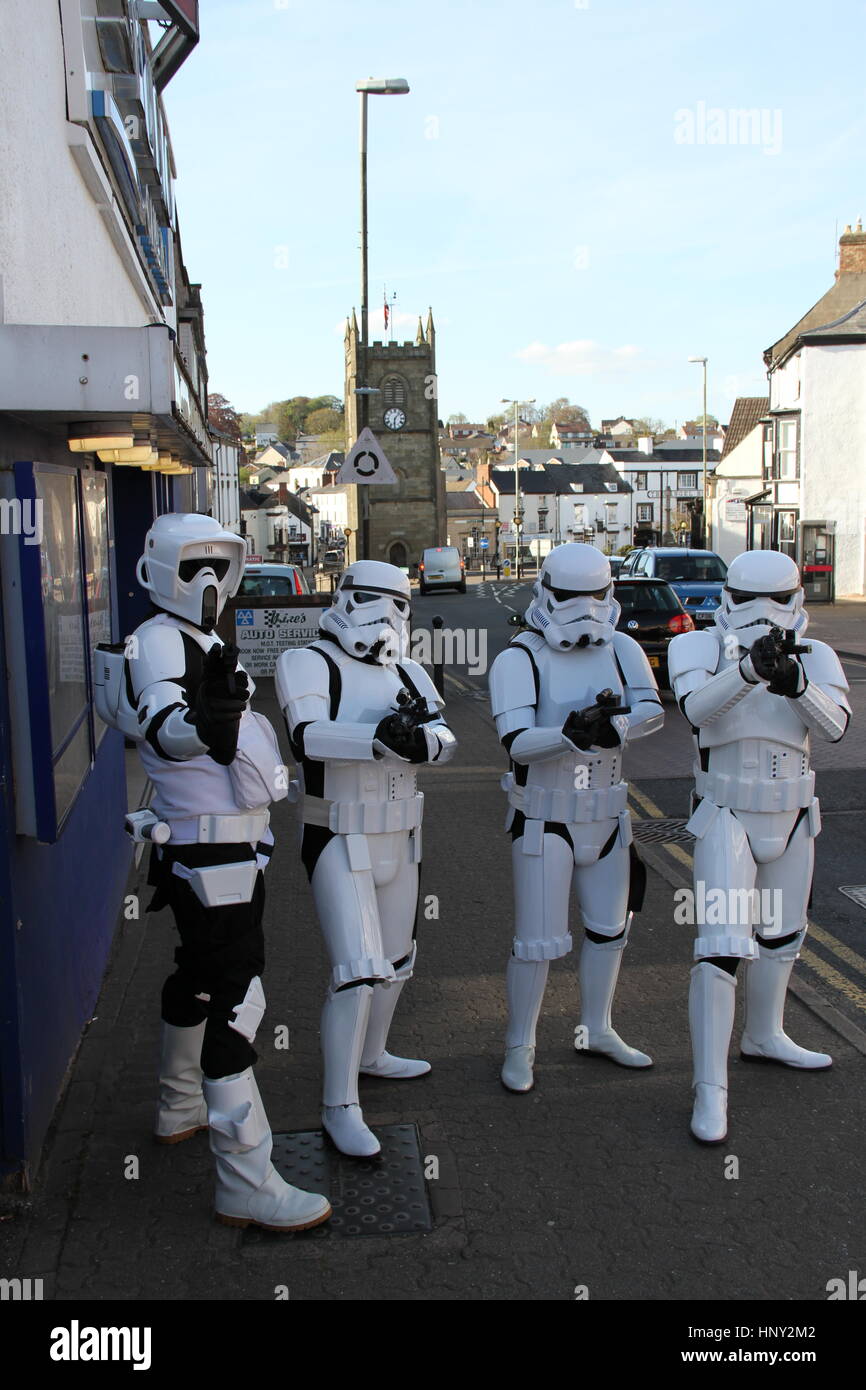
[408, 516]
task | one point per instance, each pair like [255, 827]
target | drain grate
[856, 892]
[383, 1196]
[669, 830]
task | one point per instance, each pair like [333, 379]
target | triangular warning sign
[366, 462]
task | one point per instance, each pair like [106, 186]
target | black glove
[590, 728]
[405, 739]
[222, 697]
[773, 664]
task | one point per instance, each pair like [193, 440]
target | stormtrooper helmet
[762, 590]
[572, 599]
[370, 613]
[190, 566]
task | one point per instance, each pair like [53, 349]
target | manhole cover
[856, 893]
[668, 830]
[383, 1196]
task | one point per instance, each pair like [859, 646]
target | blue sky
[564, 185]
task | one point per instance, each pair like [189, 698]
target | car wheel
[422, 589]
[461, 588]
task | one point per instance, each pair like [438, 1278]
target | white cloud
[583, 357]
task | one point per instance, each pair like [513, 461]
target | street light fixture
[704, 535]
[383, 87]
[506, 400]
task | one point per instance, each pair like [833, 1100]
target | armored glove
[221, 699]
[399, 735]
[773, 664]
[591, 728]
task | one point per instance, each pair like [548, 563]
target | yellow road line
[827, 939]
[851, 991]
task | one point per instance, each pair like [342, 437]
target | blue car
[696, 576]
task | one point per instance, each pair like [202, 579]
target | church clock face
[395, 418]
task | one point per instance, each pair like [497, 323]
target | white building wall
[833, 454]
[737, 477]
[78, 277]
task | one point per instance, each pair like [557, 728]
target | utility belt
[742, 794]
[364, 817]
[566, 807]
[215, 885]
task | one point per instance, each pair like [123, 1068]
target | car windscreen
[266, 586]
[695, 569]
[646, 598]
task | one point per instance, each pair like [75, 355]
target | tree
[223, 416]
[650, 425]
[324, 421]
[562, 412]
[495, 423]
[458, 418]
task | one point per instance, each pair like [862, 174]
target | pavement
[588, 1186]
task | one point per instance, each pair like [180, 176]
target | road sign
[366, 462]
[484, 543]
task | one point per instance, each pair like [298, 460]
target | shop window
[66, 609]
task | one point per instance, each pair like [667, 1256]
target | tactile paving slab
[668, 830]
[856, 892]
[382, 1196]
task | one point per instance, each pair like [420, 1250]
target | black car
[651, 614]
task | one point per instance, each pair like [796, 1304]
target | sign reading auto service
[262, 628]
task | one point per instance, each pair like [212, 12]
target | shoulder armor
[693, 651]
[513, 679]
[300, 672]
[633, 662]
[823, 667]
[156, 652]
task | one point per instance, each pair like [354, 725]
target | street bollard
[438, 657]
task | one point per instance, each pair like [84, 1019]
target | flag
[387, 311]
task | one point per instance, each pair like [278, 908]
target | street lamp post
[704, 535]
[371, 86]
[517, 404]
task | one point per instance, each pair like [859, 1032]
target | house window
[687, 480]
[645, 511]
[787, 462]
[640, 482]
[542, 518]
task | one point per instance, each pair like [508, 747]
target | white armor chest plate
[368, 693]
[572, 681]
[760, 717]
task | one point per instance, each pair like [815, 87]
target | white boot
[764, 1039]
[375, 1061]
[712, 999]
[599, 970]
[248, 1188]
[525, 982]
[345, 1017]
[181, 1110]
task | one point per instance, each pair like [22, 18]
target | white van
[441, 568]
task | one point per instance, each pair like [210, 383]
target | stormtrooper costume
[752, 708]
[361, 822]
[568, 812]
[215, 767]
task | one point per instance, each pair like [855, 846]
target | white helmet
[370, 613]
[762, 590]
[190, 566]
[572, 599]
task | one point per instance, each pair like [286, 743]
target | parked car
[273, 581]
[616, 564]
[441, 568]
[696, 576]
[333, 560]
[653, 615]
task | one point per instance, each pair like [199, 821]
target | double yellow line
[853, 959]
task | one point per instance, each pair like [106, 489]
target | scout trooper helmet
[370, 613]
[190, 566]
[572, 599]
[762, 590]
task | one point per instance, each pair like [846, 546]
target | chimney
[645, 444]
[852, 251]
